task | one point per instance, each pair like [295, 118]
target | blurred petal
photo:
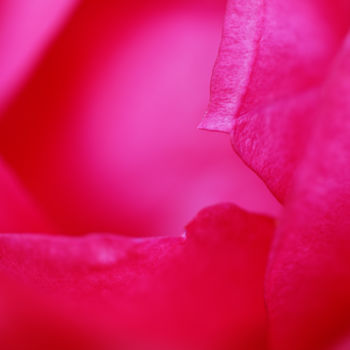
[344, 344]
[203, 290]
[18, 211]
[308, 286]
[105, 131]
[26, 29]
[273, 56]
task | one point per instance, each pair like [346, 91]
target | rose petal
[308, 287]
[203, 290]
[272, 58]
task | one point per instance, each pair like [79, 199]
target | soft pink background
[101, 105]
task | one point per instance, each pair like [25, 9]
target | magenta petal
[271, 140]
[308, 286]
[273, 56]
[202, 290]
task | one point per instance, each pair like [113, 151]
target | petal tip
[214, 122]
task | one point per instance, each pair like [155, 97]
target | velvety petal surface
[105, 129]
[308, 285]
[265, 83]
[201, 290]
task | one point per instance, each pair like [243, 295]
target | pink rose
[99, 102]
